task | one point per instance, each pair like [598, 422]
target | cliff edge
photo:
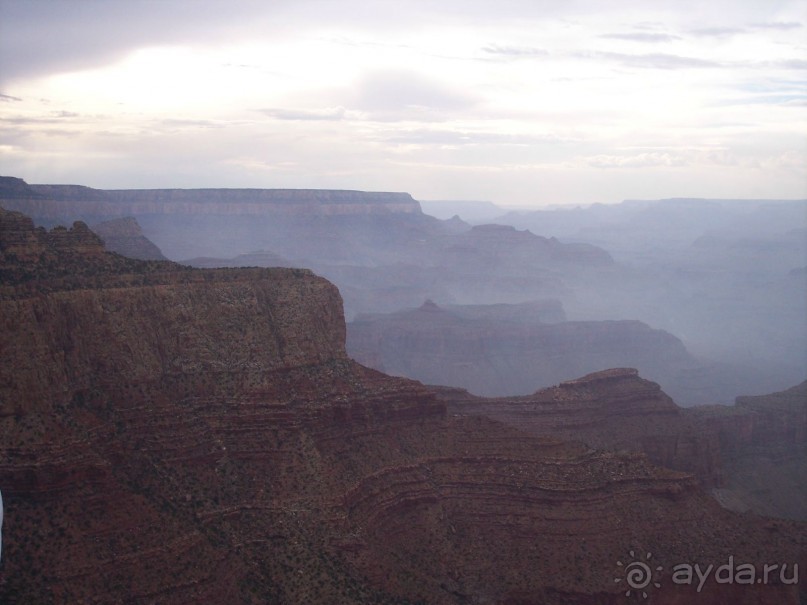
[171, 435]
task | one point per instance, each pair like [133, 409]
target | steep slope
[170, 435]
[613, 409]
[753, 454]
[499, 350]
[124, 236]
[765, 440]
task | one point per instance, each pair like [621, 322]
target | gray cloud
[717, 32]
[641, 160]
[186, 123]
[318, 115]
[405, 95]
[777, 25]
[9, 98]
[654, 60]
[54, 118]
[459, 137]
[786, 100]
[793, 64]
[642, 37]
[515, 52]
[64, 36]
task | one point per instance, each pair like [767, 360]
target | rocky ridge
[752, 455]
[173, 435]
[765, 443]
[498, 350]
[57, 202]
[125, 237]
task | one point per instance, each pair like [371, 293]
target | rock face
[170, 435]
[613, 409]
[765, 443]
[356, 239]
[59, 201]
[500, 350]
[753, 455]
[15, 189]
[125, 237]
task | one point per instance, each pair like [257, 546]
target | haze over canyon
[315, 396]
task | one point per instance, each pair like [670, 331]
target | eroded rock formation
[125, 237]
[498, 350]
[170, 435]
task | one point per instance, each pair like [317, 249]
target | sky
[519, 102]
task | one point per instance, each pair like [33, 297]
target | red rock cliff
[179, 436]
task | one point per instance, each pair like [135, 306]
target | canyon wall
[124, 236]
[171, 436]
[58, 202]
[500, 350]
[764, 439]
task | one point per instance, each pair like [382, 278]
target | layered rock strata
[61, 201]
[499, 350]
[170, 435]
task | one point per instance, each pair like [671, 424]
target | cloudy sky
[521, 102]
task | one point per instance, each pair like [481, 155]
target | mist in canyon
[707, 297]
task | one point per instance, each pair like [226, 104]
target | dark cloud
[642, 37]
[39, 37]
[9, 98]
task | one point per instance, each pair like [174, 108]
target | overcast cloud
[516, 101]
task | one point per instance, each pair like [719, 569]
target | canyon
[726, 285]
[498, 350]
[178, 435]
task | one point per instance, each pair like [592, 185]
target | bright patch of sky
[517, 102]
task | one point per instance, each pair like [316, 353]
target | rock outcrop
[612, 409]
[171, 435]
[753, 455]
[60, 201]
[499, 350]
[764, 440]
[125, 237]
